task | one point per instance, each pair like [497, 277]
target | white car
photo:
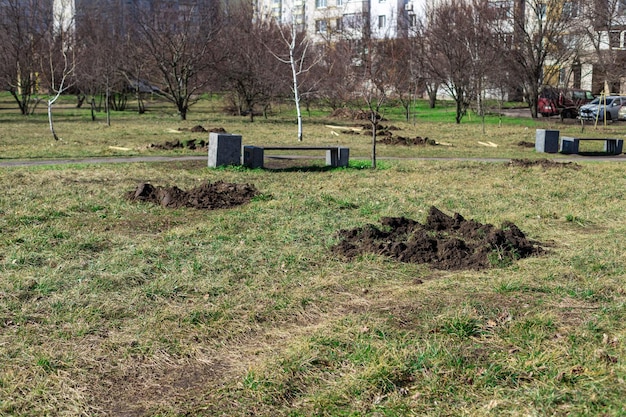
[609, 105]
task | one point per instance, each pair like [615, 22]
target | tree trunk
[533, 101]
[93, 109]
[54, 134]
[459, 109]
[108, 107]
[374, 121]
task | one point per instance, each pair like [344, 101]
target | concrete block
[224, 149]
[547, 141]
[569, 145]
[332, 157]
[344, 157]
[253, 156]
[613, 146]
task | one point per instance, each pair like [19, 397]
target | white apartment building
[325, 20]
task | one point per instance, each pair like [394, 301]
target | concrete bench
[571, 145]
[336, 156]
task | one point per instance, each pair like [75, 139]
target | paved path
[131, 159]
[108, 160]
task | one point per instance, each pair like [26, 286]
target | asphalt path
[134, 159]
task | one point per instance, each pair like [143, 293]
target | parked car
[601, 106]
[563, 102]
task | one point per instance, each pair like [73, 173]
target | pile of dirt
[217, 195]
[201, 129]
[195, 129]
[544, 163]
[525, 144]
[444, 242]
[390, 139]
[191, 144]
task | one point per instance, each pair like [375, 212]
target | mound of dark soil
[525, 144]
[217, 195]
[544, 163]
[400, 140]
[177, 144]
[188, 144]
[444, 242]
[195, 129]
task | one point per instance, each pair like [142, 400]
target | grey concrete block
[253, 156]
[547, 141]
[344, 157]
[569, 145]
[613, 146]
[332, 157]
[224, 149]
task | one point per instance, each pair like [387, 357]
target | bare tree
[297, 45]
[24, 26]
[603, 33]
[403, 72]
[58, 65]
[449, 59]
[542, 37]
[250, 71]
[178, 38]
[101, 50]
[375, 81]
[336, 83]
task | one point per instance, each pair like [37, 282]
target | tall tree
[178, 39]
[296, 45]
[101, 51]
[604, 33]
[448, 33]
[543, 37]
[24, 27]
[250, 71]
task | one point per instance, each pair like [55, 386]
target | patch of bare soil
[386, 136]
[191, 144]
[209, 196]
[525, 144]
[443, 242]
[544, 163]
[390, 139]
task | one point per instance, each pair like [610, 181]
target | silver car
[609, 105]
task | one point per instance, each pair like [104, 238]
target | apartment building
[326, 20]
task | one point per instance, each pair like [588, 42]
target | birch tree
[60, 64]
[297, 44]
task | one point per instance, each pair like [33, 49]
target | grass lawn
[110, 307]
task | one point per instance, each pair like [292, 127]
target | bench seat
[336, 156]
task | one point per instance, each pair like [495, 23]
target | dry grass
[113, 308]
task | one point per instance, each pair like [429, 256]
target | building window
[339, 3]
[412, 20]
[339, 25]
[320, 4]
[382, 21]
[320, 26]
[570, 9]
